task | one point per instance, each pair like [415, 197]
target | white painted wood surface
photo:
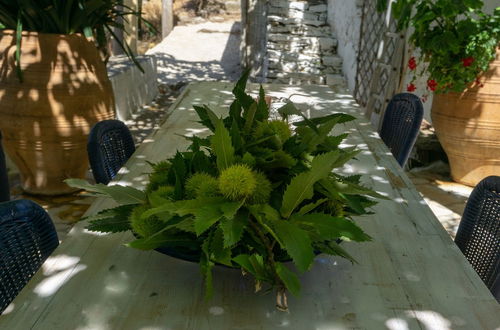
[411, 276]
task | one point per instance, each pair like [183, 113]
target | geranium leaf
[289, 278]
[121, 194]
[222, 147]
[301, 186]
[296, 242]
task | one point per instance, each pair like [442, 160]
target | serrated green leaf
[262, 109]
[244, 261]
[180, 173]
[204, 117]
[311, 206]
[289, 278]
[254, 264]
[121, 194]
[296, 242]
[206, 266]
[330, 227]
[239, 91]
[249, 117]
[290, 109]
[233, 228]
[220, 252]
[222, 147]
[229, 209]
[111, 220]
[186, 225]
[301, 186]
[334, 249]
[205, 217]
[348, 188]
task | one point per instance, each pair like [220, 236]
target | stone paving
[446, 198]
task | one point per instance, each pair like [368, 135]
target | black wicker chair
[478, 235]
[4, 177]
[109, 146]
[27, 238]
[401, 124]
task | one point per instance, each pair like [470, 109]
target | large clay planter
[468, 127]
[46, 119]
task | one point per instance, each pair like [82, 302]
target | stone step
[299, 29]
[292, 56]
[323, 43]
[297, 77]
[290, 20]
[291, 67]
[335, 80]
[333, 61]
[293, 13]
[303, 49]
[297, 5]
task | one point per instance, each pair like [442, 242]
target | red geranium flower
[411, 88]
[431, 84]
[468, 61]
[412, 64]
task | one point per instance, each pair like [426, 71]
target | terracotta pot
[46, 119]
[468, 127]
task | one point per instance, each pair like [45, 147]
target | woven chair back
[478, 235]
[401, 125]
[27, 238]
[110, 145]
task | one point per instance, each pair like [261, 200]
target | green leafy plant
[256, 194]
[92, 18]
[456, 39]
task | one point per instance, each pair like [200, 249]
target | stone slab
[131, 87]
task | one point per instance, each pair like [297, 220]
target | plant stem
[281, 301]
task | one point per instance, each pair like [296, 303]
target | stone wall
[345, 19]
[300, 45]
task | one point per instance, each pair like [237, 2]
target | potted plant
[54, 85]
[458, 46]
[258, 194]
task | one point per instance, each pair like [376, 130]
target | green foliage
[456, 39]
[92, 18]
[145, 227]
[237, 182]
[201, 185]
[253, 195]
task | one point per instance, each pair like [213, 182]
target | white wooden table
[411, 276]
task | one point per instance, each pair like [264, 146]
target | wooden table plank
[410, 276]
